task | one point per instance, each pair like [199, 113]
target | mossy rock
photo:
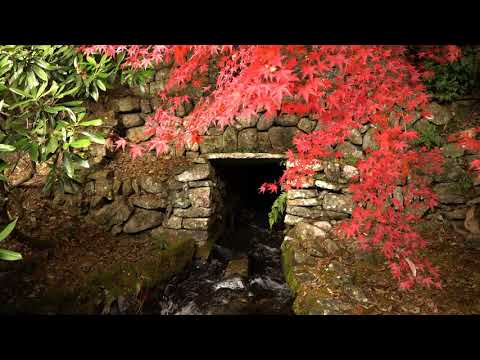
[124, 278]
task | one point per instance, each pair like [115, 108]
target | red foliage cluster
[344, 88]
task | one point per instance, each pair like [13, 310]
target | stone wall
[190, 203]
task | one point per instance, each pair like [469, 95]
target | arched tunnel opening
[245, 209]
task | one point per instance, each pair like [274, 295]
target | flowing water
[208, 288]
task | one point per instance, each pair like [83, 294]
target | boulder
[200, 197]
[149, 201]
[173, 222]
[230, 139]
[368, 140]
[237, 267]
[247, 139]
[449, 193]
[287, 120]
[246, 121]
[196, 223]
[211, 144]
[137, 135]
[472, 220]
[350, 150]
[441, 115]
[153, 185]
[264, 144]
[143, 220]
[306, 125]
[132, 120]
[301, 194]
[264, 123]
[127, 104]
[281, 137]
[338, 203]
[197, 172]
[193, 212]
[355, 137]
[115, 213]
[315, 213]
[305, 202]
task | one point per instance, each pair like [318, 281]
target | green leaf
[96, 122]
[68, 166]
[40, 72]
[94, 92]
[9, 255]
[101, 85]
[94, 137]
[19, 92]
[31, 80]
[34, 152]
[7, 230]
[52, 145]
[6, 148]
[80, 143]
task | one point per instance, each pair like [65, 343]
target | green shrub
[452, 80]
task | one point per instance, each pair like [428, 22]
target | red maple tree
[344, 88]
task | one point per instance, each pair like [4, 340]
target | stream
[243, 275]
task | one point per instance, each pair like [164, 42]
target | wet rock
[339, 203]
[235, 283]
[287, 120]
[230, 139]
[200, 197]
[197, 172]
[264, 123]
[142, 220]
[281, 137]
[222, 252]
[237, 267]
[149, 201]
[247, 139]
